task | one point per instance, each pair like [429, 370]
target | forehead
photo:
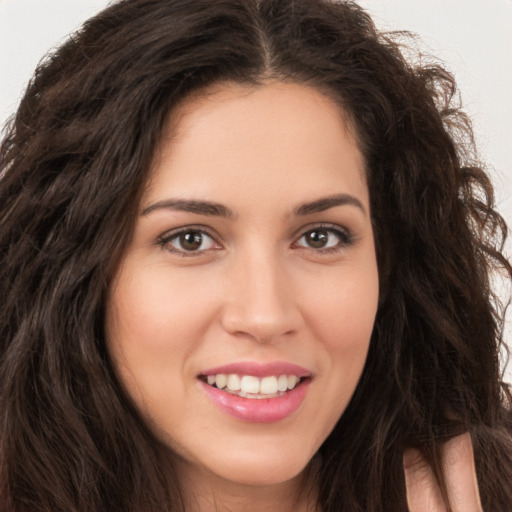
[232, 136]
[249, 107]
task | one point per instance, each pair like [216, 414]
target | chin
[259, 470]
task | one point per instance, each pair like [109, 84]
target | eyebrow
[325, 203]
[192, 206]
[219, 210]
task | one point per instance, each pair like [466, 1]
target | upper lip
[257, 369]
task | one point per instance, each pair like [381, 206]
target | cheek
[343, 309]
[342, 314]
[156, 312]
[154, 321]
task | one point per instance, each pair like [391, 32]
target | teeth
[249, 386]
[292, 381]
[282, 383]
[220, 380]
[268, 385]
[233, 382]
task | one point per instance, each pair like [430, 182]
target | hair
[74, 161]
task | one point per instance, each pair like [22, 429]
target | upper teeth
[250, 384]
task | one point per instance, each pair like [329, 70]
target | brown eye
[191, 241]
[325, 239]
[188, 241]
[317, 239]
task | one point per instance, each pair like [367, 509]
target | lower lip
[263, 410]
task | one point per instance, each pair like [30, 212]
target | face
[240, 315]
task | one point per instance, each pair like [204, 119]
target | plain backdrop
[472, 37]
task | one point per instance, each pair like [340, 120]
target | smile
[257, 393]
[252, 387]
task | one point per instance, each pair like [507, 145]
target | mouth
[257, 393]
[253, 387]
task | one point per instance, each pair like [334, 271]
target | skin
[423, 492]
[255, 288]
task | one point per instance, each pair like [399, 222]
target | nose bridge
[261, 304]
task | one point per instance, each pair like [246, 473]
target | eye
[325, 238]
[188, 241]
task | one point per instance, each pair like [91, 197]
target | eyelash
[165, 240]
[345, 237]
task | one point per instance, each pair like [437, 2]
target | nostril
[258, 328]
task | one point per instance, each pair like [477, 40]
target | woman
[245, 260]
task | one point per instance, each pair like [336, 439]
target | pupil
[191, 241]
[317, 239]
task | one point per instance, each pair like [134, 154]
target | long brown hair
[74, 160]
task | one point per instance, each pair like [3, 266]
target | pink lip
[264, 410]
[260, 370]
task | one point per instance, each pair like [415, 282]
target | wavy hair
[74, 161]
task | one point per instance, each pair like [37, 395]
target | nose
[261, 303]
